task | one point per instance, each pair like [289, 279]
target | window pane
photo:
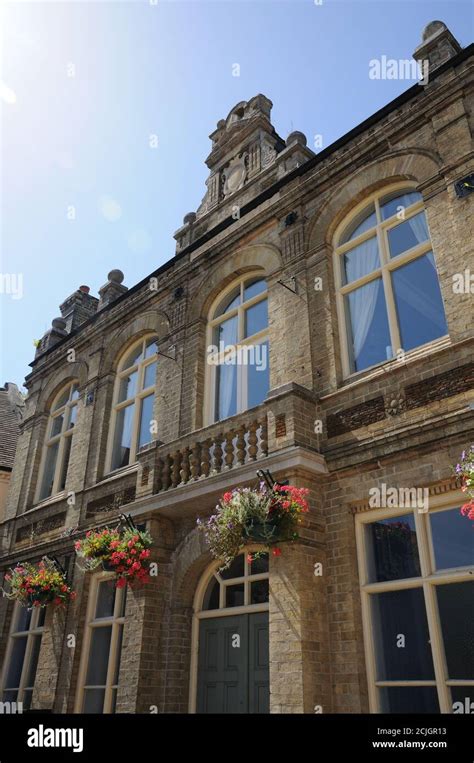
[75, 392]
[398, 614]
[361, 260]
[27, 697]
[10, 696]
[127, 387]
[258, 375]
[72, 417]
[33, 662]
[418, 301]
[453, 546]
[211, 597]
[408, 234]
[133, 357]
[252, 289]
[226, 332]
[392, 549]
[151, 348]
[106, 599]
[226, 391]
[409, 699]
[259, 565]
[149, 376]
[15, 666]
[98, 656]
[256, 318]
[146, 418]
[23, 618]
[41, 617]
[65, 464]
[234, 595]
[123, 437]
[369, 336]
[391, 206]
[62, 399]
[56, 425]
[464, 695]
[456, 612]
[365, 220]
[235, 569]
[231, 301]
[93, 701]
[259, 591]
[49, 470]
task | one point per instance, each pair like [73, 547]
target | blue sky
[166, 69]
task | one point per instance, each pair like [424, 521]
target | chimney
[77, 308]
[438, 46]
[112, 289]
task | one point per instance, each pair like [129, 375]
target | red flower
[121, 583]
[227, 497]
[249, 558]
[276, 551]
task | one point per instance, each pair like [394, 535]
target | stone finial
[438, 46]
[189, 219]
[296, 138]
[113, 289]
[53, 336]
[59, 324]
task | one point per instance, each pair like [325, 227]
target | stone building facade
[368, 390]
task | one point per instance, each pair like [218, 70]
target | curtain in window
[365, 298]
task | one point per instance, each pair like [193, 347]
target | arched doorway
[231, 645]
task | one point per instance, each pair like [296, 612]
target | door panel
[233, 673]
[259, 685]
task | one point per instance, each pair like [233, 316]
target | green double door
[233, 672]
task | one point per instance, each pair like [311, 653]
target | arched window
[388, 294]
[62, 421]
[242, 584]
[238, 348]
[133, 402]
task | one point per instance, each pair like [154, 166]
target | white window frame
[61, 438]
[201, 614]
[387, 266]
[116, 621]
[33, 631]
[136, 400]
[256, 339]
[428, 581]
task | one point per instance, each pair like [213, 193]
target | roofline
[401, 99]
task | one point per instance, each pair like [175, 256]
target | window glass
[211, 597]
[256, 318]
[226, 332]
[395, 204]
[226, 391]
[105, 599]
[235, 569]
[123, 436]
[62, 399]
[57, 425]
[259, 565]
[128, 386]
[401, 614]
[230, 302]
[456, 612]
[49, 470]
[252, 288]
[65, 462]
[93, 700]
[15, 666]
[370, 335]
[258, 375]
[408, 234]
[259, 591]
[392, 549]
[33, 661]
[418, 302]
[99, 656]
[151, 348]
[150, 376]
[364, 221]
[452, 545]
[361, 260]
[72, 417]
[133, 357]
[146, 418]
[234, 595]
[409, 699]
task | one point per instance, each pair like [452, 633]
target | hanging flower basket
[264, 516]
[465, 470]
[124, 552]
[37, 585]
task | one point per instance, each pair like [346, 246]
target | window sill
[388, 366]
[114, 475]
[47, 502]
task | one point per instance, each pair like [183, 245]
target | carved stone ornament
[235, 174]
[268, 154]
[395, 404]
